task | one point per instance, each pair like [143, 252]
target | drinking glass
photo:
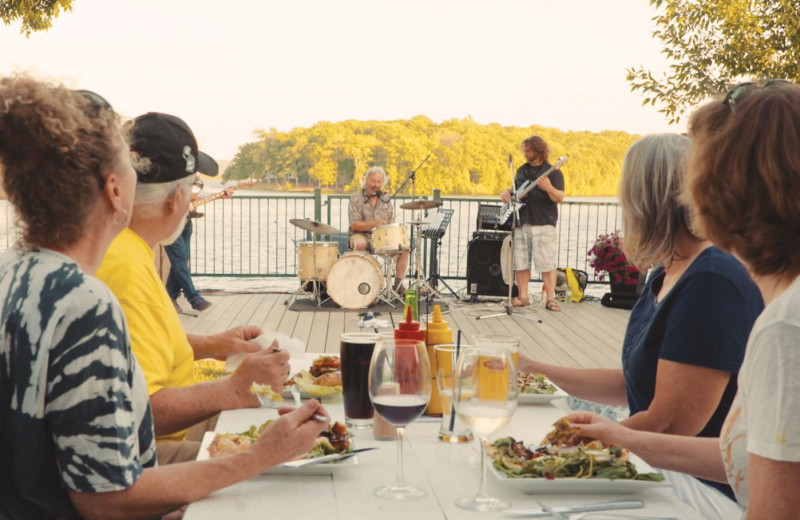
[399, 386]
[356, 352]
[485, 397]
[452, 430]
[492, 340]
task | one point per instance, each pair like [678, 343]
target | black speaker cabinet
[484, 273]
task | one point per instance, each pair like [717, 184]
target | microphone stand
[510, 263]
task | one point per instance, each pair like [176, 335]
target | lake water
[247, 243]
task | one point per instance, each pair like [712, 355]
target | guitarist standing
[535, 236]
[180, 276]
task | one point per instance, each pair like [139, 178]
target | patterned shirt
[360, 210]
[75, 413]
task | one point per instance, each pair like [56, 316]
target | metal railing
[251, 235]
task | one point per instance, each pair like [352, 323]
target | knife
[630, 503]
[549, 511]
[325, 458]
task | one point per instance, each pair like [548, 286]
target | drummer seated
[369, 209]
[361, 240]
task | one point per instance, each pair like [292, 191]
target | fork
[295, 395]
[600, 514]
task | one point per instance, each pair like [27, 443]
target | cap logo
[189, 158]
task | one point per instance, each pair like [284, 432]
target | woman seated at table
[744, 181]
[75, 418]
[686, 336]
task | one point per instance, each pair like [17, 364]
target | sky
[229, 68]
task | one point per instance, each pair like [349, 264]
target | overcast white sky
[228, 68]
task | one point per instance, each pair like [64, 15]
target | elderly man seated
[169, 158]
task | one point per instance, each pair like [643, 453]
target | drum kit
[355, 280]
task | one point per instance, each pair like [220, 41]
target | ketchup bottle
[409, 329]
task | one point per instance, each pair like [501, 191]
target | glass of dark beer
[356, 351]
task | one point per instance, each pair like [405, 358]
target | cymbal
[314, 226]
[421, 204]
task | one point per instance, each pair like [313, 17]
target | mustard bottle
[438, 333]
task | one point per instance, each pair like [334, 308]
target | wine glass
[399, 386]
[485, 397]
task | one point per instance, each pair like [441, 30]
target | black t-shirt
[539, 210]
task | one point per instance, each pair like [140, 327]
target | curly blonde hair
[56, 147]
[744, 177]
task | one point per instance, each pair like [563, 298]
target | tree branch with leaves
[712, 44]
[36, 15]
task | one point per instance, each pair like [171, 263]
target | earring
[124, 217]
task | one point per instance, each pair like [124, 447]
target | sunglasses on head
[95, 99]
[738, 91]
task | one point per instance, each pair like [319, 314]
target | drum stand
[420, 282]
[388, 294]
[317, 294]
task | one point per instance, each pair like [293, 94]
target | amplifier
[490, 235]
[484, 271]
[489, 218]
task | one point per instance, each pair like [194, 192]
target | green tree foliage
[712, 44]
[36, 15]
[464, 157]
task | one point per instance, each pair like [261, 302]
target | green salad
[592, 460]
[535, 384]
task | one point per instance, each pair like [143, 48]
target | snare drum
[326, 255]
[390, 239]
[355, 280]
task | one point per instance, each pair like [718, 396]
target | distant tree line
[465, 157]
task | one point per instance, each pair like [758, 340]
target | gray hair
[653, 175]
[150, 195]
[375, 170]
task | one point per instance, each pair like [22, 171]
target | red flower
[606, 256]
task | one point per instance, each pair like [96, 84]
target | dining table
[447, 472]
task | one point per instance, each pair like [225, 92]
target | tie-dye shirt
[765, 416]
[74, 411]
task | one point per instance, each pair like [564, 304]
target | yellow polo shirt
[157, 336]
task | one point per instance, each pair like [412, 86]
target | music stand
[514, 219]
[435, 231]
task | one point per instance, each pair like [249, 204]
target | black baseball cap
[169, 144]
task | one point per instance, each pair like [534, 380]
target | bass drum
[355, 280]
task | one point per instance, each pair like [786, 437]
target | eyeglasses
[738, 91]
[95, 99]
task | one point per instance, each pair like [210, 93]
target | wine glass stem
[399, 478]
[482, 489]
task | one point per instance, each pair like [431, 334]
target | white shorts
[537, 243]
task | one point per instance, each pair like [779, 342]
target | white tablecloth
[446, 471]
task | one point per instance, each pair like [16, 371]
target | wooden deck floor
[584, 334]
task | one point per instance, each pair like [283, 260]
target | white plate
[533, 486]
[287, 396]
[542, 398]
[325, 468]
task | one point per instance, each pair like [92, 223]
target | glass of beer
[355, 351]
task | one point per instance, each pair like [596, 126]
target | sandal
[552, 305]
[520, 302]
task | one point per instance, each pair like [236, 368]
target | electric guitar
[193, 213]
[507, 209]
